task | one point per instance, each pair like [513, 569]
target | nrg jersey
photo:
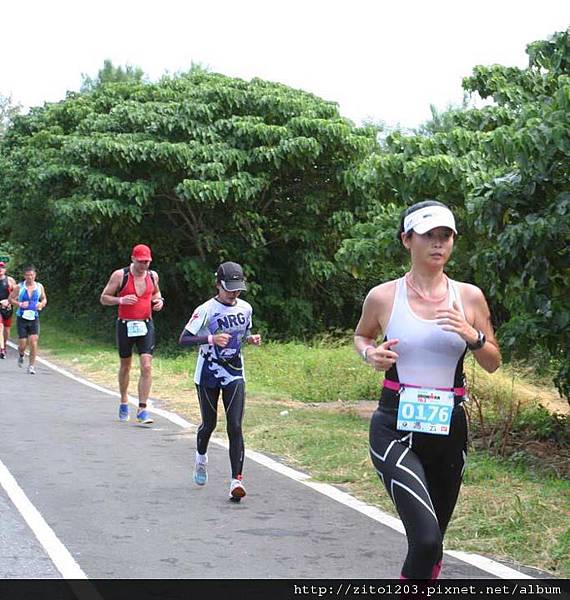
[218, 367]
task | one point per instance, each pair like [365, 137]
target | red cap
[141, 252]
[2, 263]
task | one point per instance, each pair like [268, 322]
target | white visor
[429, 217]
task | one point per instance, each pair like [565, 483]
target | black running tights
[422, 473]
[233, 397]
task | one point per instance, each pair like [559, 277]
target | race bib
[425, 410]
[29, 315]
[136, 328]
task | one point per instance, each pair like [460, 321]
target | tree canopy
[109, 73]
[204, 168]
[8, 110]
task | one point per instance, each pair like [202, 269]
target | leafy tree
[203, 167]
[504, 169]
[111, 74]
[524, 211]
[8, 110]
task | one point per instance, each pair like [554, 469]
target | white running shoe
[237, 491]
[200, 473]
[31, 370]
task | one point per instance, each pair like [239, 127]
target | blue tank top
[33, 300]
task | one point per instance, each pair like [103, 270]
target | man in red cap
[7, 284]
[134, 289]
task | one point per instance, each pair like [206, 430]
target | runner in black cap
[219, 327]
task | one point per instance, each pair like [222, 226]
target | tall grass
[311, 372]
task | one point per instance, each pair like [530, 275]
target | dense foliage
[504, 169]
[202, 167]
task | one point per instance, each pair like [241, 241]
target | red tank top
[142, 309]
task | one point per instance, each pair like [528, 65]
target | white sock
[201, 458]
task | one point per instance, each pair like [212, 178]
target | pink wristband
[120, 300]
[210, 339]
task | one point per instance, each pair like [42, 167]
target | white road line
[58, 553]
[485, 564]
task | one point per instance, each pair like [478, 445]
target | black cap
[230, 276]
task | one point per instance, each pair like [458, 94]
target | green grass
[514, 512]
[302, 407]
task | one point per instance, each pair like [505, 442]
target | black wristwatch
[481, 339]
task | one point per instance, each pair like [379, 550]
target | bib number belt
[136, 328]
[425, 410]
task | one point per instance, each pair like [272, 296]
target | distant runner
[418, 433]
[134, 289]
[219, 327]
[7, 284]
[30, 298]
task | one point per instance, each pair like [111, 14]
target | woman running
[219, 327]
[418, 433]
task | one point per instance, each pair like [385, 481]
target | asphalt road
[120, 499]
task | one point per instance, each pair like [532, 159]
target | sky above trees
[381, 61]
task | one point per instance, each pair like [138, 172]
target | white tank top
[428, 355]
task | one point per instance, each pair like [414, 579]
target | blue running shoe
[144, 418]
[200, 473]
[123, 412]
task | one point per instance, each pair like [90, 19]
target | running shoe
[436, 569]
[237, 491]
[200, 473]
[124, 412]
[21, 360]
[144, 418]
[32, 370]
[2, 353]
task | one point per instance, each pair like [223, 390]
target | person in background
[135, 290]
[30, 298]
[219, 327]
[7, 284]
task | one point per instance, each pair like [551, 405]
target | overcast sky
[383, 60]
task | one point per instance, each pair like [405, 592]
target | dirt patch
[363, 409]
[528, 394]
[550, 399]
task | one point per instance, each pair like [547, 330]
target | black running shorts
[27, 328]
[144, 343]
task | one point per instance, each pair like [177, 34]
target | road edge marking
[57, 552]
[476, 560]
